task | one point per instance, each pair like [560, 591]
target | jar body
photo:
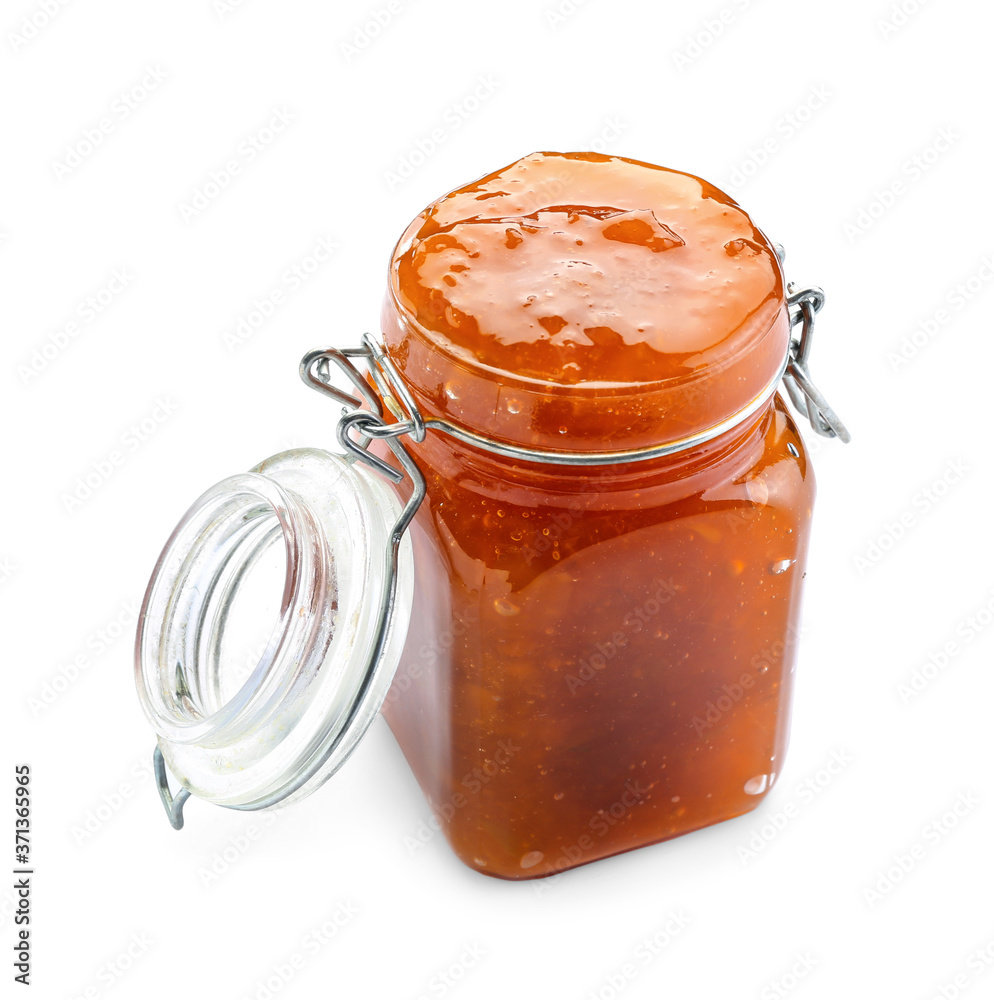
[600, 658]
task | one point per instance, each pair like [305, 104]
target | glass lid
[272, 627]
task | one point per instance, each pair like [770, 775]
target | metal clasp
[369, 424]
[802, 306]
[173, 804]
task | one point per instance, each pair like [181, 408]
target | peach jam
[561, 549]
[600, 653]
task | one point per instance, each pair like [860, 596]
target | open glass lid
[274, 621]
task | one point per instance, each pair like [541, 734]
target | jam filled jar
[564, 545]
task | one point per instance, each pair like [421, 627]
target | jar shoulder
[481, 520]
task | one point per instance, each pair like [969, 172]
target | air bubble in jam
[531, 859]
[735, 248]
[756, 785]
[505, 607]
[781, 566]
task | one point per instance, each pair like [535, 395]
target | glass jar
[606, 504]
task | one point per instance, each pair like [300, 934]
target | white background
[900, 560]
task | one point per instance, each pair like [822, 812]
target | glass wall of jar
[600, 656]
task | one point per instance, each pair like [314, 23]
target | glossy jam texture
[599, 658]
[577, 301]
[581, 268]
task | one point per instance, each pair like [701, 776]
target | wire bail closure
[803, 304]
[370, 425]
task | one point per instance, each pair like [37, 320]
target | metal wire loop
[396, 394]
[813, 294]
[316, 373]
[375, 428]
[173, 804]
[364, 422]
[802, 305]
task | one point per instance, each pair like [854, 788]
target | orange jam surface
[599, 656]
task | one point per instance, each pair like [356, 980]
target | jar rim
[599, 458]
[175, 689]
[331, 656]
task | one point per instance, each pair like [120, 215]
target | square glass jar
[563, 549]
